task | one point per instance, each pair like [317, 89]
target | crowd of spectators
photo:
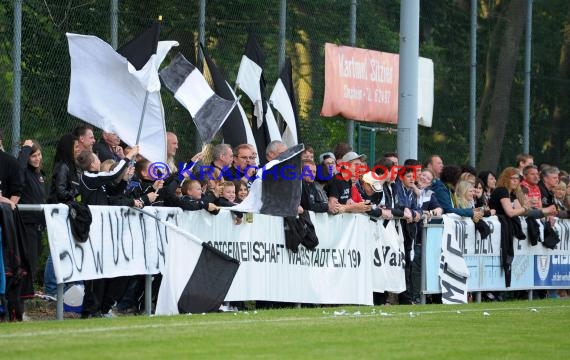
[110, 173]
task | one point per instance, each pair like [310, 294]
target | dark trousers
[101, 294]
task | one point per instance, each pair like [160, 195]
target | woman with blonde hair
[464, 192]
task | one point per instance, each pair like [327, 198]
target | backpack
[79, 220]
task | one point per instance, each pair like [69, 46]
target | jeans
[50, 283]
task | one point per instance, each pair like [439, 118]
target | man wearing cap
[370, 189]
[340, 185]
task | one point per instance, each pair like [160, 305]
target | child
[242, 191]
[193, 199]
[100, 294]
[93, 181]
[227, 191]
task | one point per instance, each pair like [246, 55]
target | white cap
[351, 155]
[371, 178]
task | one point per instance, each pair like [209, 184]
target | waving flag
[283, 99]
[108, 92]
[208, 110]
[139, 50]
[202, 283]
[277, 189]
[251, 72]
[251, 80]
[236, 129]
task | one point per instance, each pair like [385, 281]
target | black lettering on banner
[256, 253]
[451, 249]
[564, 233]
[461, 234]
[377, 260]
[354, 257]
[62, 256]
[125, 217]
[160, 240]
[114, 237]
[449, 291]
[72, 245]
[485, 245]
[443, 266]
[121, 233]
[98, 256]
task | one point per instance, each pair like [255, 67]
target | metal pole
[281, 60]
[352, 43]
[282, 30]
[59, 302]
[202, 40]
[148, 294]
[473, 87]
[423, 287]
[408, 88]
[115, 24]
[201, 32]
[17, 80]
[527, 64]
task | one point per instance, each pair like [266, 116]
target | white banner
[338, 271]
[388, 258]
[121, 242]
[355, 256]
[453, 271]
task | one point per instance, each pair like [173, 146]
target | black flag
[139, 50]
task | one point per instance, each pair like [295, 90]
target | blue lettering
[272, 171]
[207, 170]
[306, 172]
[322, 174]
[286, 174]
[186, 170]
[246, 175]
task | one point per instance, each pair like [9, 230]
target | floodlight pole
[353, 5]
[408, 83]
[17, 77]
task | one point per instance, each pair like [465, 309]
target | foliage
[444, 37]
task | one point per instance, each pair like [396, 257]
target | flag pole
[169, 225]
[142, 117]
[144, 104]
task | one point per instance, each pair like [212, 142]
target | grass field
[507, 330]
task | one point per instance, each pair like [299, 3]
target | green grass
[512, 330]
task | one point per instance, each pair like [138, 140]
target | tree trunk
[490, 62]
[561, 111]
[514, 16]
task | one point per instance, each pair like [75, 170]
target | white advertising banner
[338, 271]
[121, 242]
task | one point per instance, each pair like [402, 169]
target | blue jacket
[443, 195]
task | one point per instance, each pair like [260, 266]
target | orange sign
[361, 84]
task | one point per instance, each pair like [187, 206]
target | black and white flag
[236, 129]
[208, 110]
[108, 92]
[283, 99]
[277, 189]
[250, 74]
[251, 80]
[199, 286]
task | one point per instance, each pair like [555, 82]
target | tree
[512, 20]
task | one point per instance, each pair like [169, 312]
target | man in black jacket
[312, 198]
